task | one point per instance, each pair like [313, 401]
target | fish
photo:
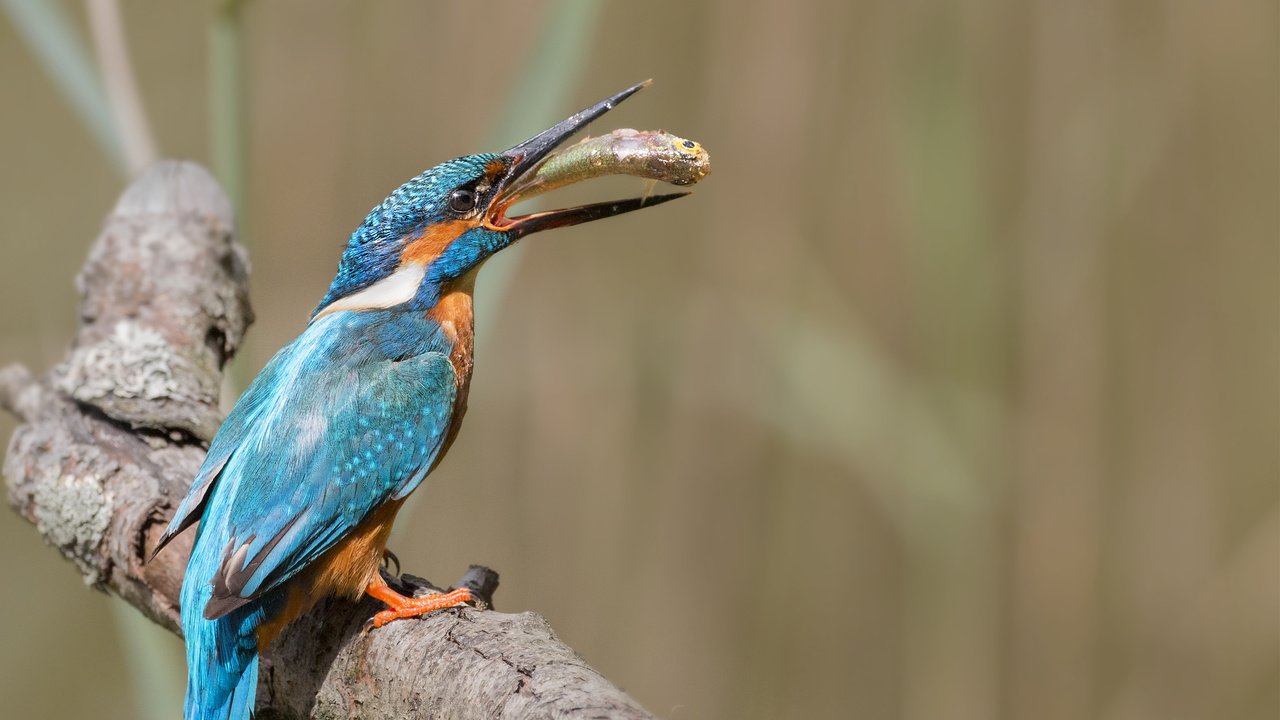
[654, 155]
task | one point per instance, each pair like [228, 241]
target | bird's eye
[462, 201]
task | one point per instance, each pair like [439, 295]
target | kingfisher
[302, 482]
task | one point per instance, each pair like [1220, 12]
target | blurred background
[952, 393]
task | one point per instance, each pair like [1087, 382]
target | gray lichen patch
[73, 508]
[134, 362]
[135, 375]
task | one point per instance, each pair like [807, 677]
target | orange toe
[401, 607]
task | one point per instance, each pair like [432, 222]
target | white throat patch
[397, 288]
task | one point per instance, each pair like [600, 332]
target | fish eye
[462, 200]
[687, 146]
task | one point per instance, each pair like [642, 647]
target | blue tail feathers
[222, 654]
[203, 703]
[222, 662]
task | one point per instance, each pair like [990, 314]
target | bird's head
[441, 225]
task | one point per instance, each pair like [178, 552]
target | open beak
[525, 159]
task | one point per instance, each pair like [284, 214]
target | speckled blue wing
[312, 448]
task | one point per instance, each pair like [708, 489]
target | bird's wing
[232, 435]
[315, 449]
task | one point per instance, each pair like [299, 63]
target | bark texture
[112, 436]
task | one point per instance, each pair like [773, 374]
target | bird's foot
[413, 607]
[400, 607]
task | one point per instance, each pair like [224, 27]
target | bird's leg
[400, 606]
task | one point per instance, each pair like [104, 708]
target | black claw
[388, 557]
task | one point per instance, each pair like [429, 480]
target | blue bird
[302, 482]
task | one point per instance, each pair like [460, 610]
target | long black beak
[528, 155]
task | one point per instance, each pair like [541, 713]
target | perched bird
[303, 480]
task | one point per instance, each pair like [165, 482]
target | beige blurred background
[952, 393]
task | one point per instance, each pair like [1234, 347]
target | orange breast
[454, 313]
[345, 570]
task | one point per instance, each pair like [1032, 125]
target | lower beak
[525, 159]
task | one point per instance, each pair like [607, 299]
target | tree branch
[112, 436]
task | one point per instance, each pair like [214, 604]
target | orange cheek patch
[428, 246]
[493, 168]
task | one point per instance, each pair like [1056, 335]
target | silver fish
[650, 154]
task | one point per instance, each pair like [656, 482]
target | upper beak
[528, 155]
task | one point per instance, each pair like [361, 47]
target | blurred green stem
[951, 617]
[226, 106]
